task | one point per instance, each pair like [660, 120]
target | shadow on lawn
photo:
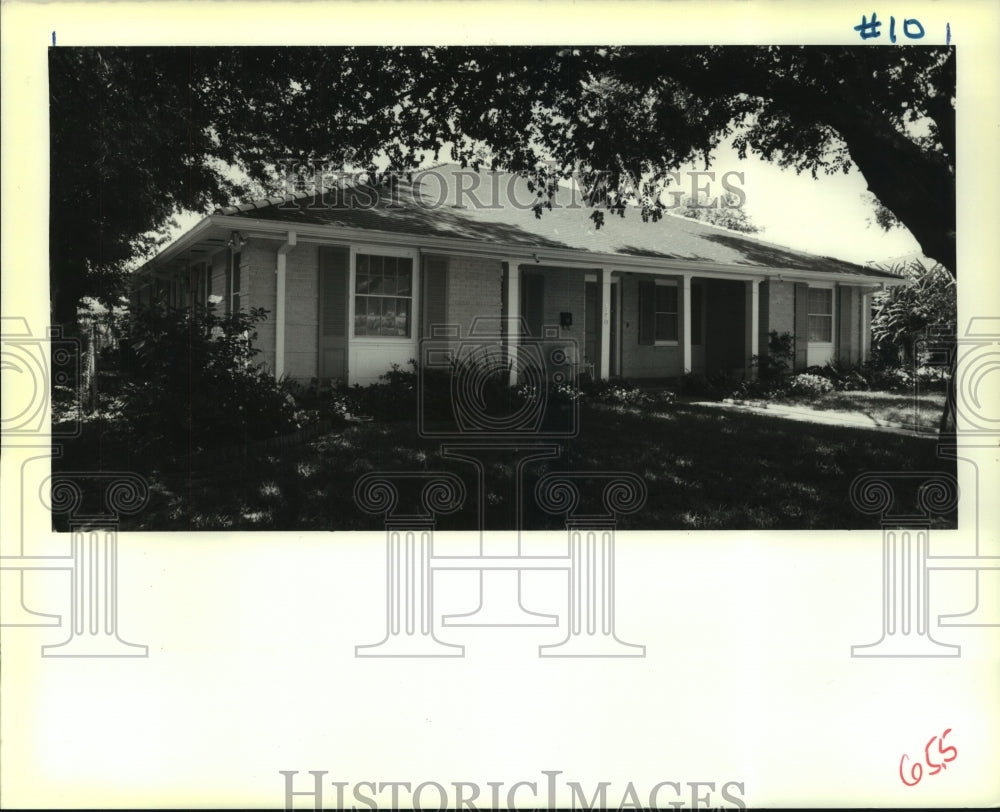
[703, 470]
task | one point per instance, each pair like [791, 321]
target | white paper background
[251, 670]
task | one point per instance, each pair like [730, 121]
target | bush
[806, 383]
[190, 382]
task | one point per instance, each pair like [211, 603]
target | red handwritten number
[916, 771]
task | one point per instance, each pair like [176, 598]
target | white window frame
[832, 315]
[665, 342]
[386, 251]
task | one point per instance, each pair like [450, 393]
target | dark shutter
[333, 261]
[533, 302]
[435, 294]
[647, 311]
[801, 325]
[842, 314]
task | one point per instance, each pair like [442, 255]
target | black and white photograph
[293, 266]
[465, 405]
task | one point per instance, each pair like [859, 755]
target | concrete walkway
[824, 417]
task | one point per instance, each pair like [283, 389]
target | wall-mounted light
[237, 240]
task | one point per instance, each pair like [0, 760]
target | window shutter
[435, 293]
[333, 263]
[801, 324]
[647, 311]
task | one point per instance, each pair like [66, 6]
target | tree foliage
[140, 133]
[903, 314]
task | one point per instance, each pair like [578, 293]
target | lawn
[704, 468]
[914, 412]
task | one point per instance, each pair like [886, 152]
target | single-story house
[353, 277]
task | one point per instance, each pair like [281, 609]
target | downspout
[279, 306]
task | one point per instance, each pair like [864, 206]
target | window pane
[362, 264]
[360, 318]
[389, 283]
[666, 326]
[666, 298]
[403, 282]
[821, 329]
[402, 317]
[820, 301]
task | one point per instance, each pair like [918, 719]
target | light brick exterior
[474, 289]
[642, 361]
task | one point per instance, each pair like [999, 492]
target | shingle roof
[497, 207]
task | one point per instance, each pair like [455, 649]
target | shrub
[191, 382]
[807, 383]
[780, 353]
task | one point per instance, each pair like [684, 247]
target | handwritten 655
[916, 771]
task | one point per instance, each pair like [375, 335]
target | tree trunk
[89, 387]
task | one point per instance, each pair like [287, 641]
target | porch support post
[866, 326]
[513, 315]
[605, 371]
[752, 324]
[686, 321]
[279, 306]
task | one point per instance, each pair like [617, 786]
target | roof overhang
[213, 233]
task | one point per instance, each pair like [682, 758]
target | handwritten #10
[912, 28]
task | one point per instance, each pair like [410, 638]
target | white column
[866, 326]
[513, 314]
[752, 323]
[605, 371]
[686, 321]
[279, 306]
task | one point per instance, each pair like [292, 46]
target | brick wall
[566, 292]
[641, 361]
[474, 289]
[258, 260]
[302, 312]
[780, 308]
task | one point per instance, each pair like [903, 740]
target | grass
[899, 409]
[704, 468]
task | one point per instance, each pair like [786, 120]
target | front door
[334, 262]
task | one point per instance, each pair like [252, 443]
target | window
[383, 295]
[666, 312]
[821, 315]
